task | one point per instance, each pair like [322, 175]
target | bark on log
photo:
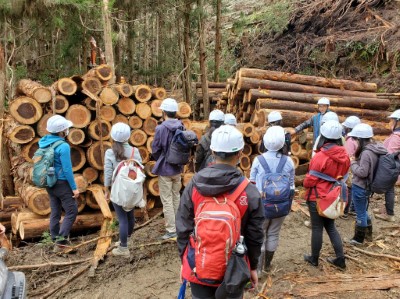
[76, 136]
[14, 202]
[184, 110]
[29, 150]
[143, 110]
[126, 106]
[90, 174]
[152, 186]
[104, 72]
[142, 93]
[62, 104]
[149, 126]
[95, 127]
[155, 108]
[34, 90]
[108, 113]
[36, 199]
[94, 154]
[24, 171]
[91, 104]
[81, 182]
[21, 134]
[124, 89]
[79, 115]
[78, 158]
[138, 137]
[66, 86]
[135, 122]
[149, 167]
[306, 80]
[109, 96]
[149, 143]
[347, 101]
[251, 83]
[144, 153]
[159, 93]
[119, 118]
[24, 215]
[26, 110]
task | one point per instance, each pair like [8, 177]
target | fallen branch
[388, 256]
[52, 264]
[148, 221]
[154, 243]
[297, 206]
[73, 248]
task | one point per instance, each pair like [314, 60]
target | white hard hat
[324, 101]
[169, 105]
[58, 123]
[274, 138]
[395, 115]
[329, 116]
[362, 131]
[332, 129]
[351, 122]
[274, 116]
[217, 115]
[230, 119]
[226, 139]
[120, 132]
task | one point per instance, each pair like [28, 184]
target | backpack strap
[264, 164]
[282, 163]
[132, 154]
[239, 190]
[57, 143]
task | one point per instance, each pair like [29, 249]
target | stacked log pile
[217, 95]
[254, 93]
[93, 106]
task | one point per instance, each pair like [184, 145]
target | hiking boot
[344, 216]
[380, 210]
[368, 232]
[121, 251]
[313, 260]
[359, 236]
[269, 255]
[337, 262]
[168, 236]
[117, 244]
[385, 217]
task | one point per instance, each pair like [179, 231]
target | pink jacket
[392, 143]
[351, 146]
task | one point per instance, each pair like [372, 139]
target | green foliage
[114, 224]
[46, 238]
[20, 72]
[363, 51]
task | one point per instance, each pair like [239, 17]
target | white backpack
[125, 191]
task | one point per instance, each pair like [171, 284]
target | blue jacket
[62, 159]
[161, 142]
[314, 122]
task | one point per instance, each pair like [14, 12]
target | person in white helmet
[274, 141]
[217, 182]
[315, 121]
[169, 175]
[327, 116]
[392, 144]
[275, 119]
[120, 150]
[363, 165]
[230, 119]
[64, 193]
[331, 159]
[203, 155]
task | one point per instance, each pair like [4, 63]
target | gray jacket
[110, 163]
[363, 168]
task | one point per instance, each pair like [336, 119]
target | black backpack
[386, 173]
[180, 147]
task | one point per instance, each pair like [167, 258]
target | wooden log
[81, 182]
[90, 174]
[36, 199]
[91, 104]
[21, 134]
[138, 137]
[109, 96]
[103, 72]
[79, 115]
[255, 138]
[94, 154]
[307, 80]
[149, 126]
[124, 89]
[247, 150]
[309, 98]
[92, 84]
[186, 178]
[90, 200]
[296, 161]
[303, 154]
[143, 110]
[135, 122]
[149, 144]
[14, 202]
[66, 86]
[78, 158]
[18, 217]
[302, 169]
[295, 148]
[99, 130]
[76, 136]
[221, 85]
[159, 93]
[142, 93]
[29, 149]
[126, 106]
[305, 136]
[184, 110]
[155, 108]
[107, 113]
[5, 217]
[35, 228]
[251, 83]
[81, 202]
[34, 90]
[149, 167]
[25, 110]
[61, 105]
[98, 193]
[299, 179]
[41, 126]
[245, 162]
[152, 186]
[247, 129]
[313, 108]
[144, 154]
[187, 123]
[119, 118]
[24, 171]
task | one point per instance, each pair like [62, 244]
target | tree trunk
[90, 174]
[108, 113]
[149, 126]
[135, 122]
[184, 110]
[186, 56]
[142, 93]
[126, 106]
[202, 58]
[217, 40]
[76, 136]
[25, 110]
[66, 86]
[95, 155]
[138, 137]
[79, 115]
[109, 96]
[108, 37]
[99, 130]
[34, 90]
[143, 110]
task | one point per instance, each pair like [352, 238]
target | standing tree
[108, 36]
[217, 41]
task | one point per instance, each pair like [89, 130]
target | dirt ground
[153, 271]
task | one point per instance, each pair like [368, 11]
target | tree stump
[79, 115]
[26, 110]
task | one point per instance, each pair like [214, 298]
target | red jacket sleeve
[315, 164]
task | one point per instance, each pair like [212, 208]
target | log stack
[217, 95]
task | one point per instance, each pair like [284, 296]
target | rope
[53, 98]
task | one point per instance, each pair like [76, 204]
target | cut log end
[67, 86]
[142, 93]
[135, 122]
[138, 137]
[126, 106]
[97, 131]
[22, 134]
[184, 110]
[26, 110]
[79, 115]
[76, 136]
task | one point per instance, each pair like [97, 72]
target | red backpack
[217, 230]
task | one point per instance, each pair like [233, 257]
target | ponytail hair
[119, 151]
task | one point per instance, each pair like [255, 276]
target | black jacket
[212, 181]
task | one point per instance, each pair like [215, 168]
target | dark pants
[318, 223]
[350, 204]
[126, 223]
[61, 198]
[389, 202]
[361, 201]
[205, 292]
